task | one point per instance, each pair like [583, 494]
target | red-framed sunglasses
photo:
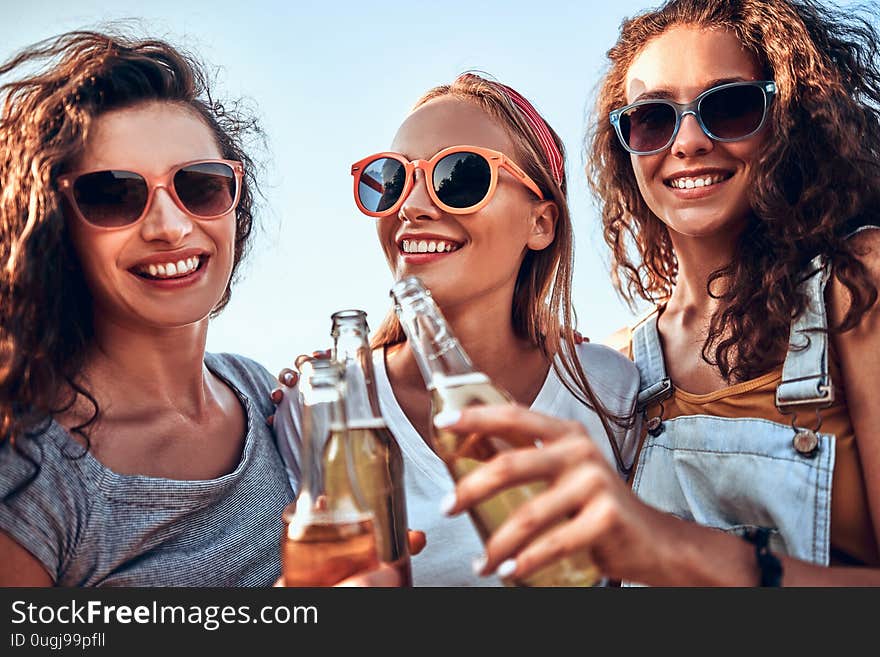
[461, 179]
[117, 198]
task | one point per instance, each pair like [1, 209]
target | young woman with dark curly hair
[129, 456]
[737, 158]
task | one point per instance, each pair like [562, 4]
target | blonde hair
[542, 311]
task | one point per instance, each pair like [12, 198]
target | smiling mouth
[171, 269]
[428, 246]
[696, 182]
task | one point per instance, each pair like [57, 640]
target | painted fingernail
[288, 378]
[478, 564]
[507, 568]
[445, 419]
[447, 503]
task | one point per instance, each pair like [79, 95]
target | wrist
[767, 564]
[706, 556]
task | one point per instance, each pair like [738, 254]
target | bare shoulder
[18, 567]
[866, 247]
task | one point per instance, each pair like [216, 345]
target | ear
[543, 229]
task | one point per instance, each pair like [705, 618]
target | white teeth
[426, 246]
[691, 183]
[169, 269]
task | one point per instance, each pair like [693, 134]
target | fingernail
[478, 564]
[288, 378]
[507, 568]
[447, 503]
[445, 419]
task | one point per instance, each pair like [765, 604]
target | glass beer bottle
[329, 533]
[454, 384]
[376, 457]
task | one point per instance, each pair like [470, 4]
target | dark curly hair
[45, 305]
[816, 179]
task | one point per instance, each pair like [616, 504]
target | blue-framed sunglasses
[728, 112]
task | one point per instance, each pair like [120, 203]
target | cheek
[385, 231]
[646, 169]
[96, 255]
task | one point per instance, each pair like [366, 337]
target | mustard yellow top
[852, 532]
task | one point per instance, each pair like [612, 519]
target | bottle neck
[322, 414]
[437, 351]
[351, 350]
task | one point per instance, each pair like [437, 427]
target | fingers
[315, 355]
[288, 378]
[416, 540]
[572, 539]
[509, 420]
[517, 467]
[578, 338]
[545, 513]
[384, 575]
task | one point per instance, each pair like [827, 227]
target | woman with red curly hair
[737, 159]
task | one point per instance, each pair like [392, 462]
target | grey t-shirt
[90, 526]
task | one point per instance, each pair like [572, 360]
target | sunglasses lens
[733, 112]
[206, 189]
[647, 127]
[110, 198]
[461, 180]
[381, 183]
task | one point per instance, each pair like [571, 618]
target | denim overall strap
[805, 379]
[648, 356]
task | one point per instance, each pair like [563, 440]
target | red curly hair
[816, 179]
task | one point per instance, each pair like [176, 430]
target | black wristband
[768, 564]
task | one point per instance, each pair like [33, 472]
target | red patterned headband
[536, 122]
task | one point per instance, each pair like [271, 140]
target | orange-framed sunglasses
[460, 179]
[117, 198]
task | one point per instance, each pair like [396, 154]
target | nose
[418, 204]
[691, 140]
[165, 222]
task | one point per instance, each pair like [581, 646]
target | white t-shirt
[453, 543]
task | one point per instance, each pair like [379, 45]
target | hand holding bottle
[585, 506]
[386, 575]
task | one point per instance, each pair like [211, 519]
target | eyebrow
[668, 95]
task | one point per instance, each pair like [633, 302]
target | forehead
[152, 136]
[685, 59]
[448, 121]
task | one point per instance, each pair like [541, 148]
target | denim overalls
[736, 473]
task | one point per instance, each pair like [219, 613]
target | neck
[484, 329]
[133, 371]
[697, 258]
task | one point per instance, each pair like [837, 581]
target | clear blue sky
[331, 82]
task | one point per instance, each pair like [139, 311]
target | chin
[698, 224]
